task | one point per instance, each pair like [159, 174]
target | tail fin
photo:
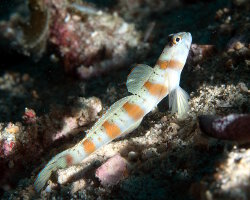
[57, 162]
[178, 101]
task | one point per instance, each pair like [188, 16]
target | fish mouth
[187, 37]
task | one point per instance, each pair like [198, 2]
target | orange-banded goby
[148, 86]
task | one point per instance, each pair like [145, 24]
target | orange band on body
[112, 130]
[133, 110]
[69, 159]
[162, 63]
[172, 64]
[88, 146]
[155, 89]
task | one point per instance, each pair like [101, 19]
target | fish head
[180, 40]
[176, 51]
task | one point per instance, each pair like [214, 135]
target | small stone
[228, 20]
[132, 156]
[54, 58]
[238, 45]
[76, 17]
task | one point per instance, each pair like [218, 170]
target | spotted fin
[137, 77]
[55, 163]
[178, 101]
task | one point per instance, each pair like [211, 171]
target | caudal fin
[56, 163]
[178, 101]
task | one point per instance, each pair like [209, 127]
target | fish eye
[177, 39]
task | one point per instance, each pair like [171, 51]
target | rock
[200, 52]
[112, 171]
[234, 127]
[132, 156]
[87, 40]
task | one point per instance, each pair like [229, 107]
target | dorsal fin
[108, 113]
[137, 77]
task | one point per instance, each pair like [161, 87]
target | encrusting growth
[148, 87]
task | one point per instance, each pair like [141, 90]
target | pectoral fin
[138, 76]
[178, 101]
